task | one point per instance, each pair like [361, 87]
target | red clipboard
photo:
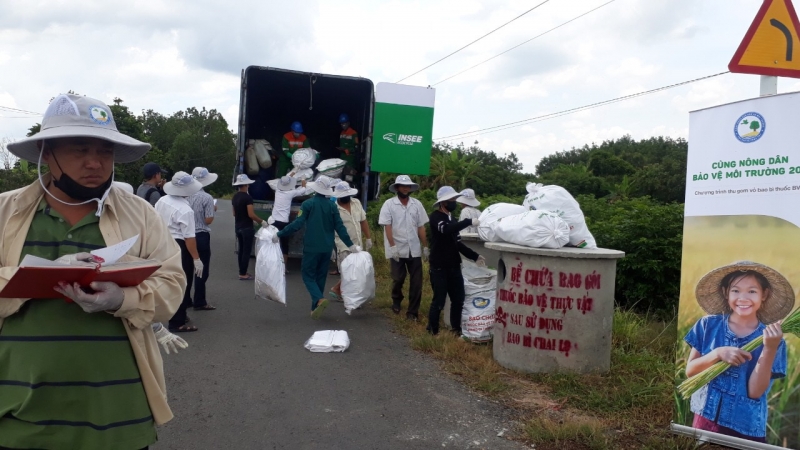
[38, 282]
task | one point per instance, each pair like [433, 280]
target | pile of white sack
[270, 270]
[258, 155]
[477, 317]
[332, 167]
[328, 341]
[358, 280]
[548, 218]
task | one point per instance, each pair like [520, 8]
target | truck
[271, 99]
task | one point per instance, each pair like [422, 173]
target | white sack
[250, 161]
[270, 271]
[358, 280]
[494, 213]
[303, 174]
[263, 152]
[304, 158]
[557, 200]
[478, 315]
[539, 229]
[331, 167]
[327, 341]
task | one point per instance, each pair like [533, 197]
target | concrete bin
[554, 308]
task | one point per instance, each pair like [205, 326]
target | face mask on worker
[450, 205]
[73, 189]
[345, 200]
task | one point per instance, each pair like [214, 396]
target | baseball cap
[150, 170]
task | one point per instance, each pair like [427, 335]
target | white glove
[354, 249]
[271, 220]
[481, 261]
[426, 253]
[475, 222]
[393, 254]
[368, 244]
[198, 268]
[107, 296]
[168, 340]
[79, 259]
[264, 224]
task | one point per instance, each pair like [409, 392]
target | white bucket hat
[242, 179]
[404, 180]
[182, 185]
[446, 193]
[286, 183]
[205, 177]
[468, 198]
[72, 115]
[343, 189]
[321, 186]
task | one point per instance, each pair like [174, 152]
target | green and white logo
[402, 139]
[404, 122]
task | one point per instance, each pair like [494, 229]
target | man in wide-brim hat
[321, 218]
[85, 348]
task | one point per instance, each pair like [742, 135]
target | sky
[170, 55]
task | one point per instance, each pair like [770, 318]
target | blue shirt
[725, 399]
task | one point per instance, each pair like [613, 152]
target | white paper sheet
[112, 254]
[35, 261]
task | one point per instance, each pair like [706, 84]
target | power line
[8, 108]
[565, 112]
[523, 43]
[476, 40]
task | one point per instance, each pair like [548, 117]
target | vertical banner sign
[403, 129]
[738, 320]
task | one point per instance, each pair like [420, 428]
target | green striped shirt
[69, 379]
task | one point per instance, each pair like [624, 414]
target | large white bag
[539, 229]
[250, 161]
[304, 158]
[328, 341]
[358, 280]
[263, 152]
[270, 271]
[331, 167]
[494, 213]
[557, 200]
[477, 317]
[303, 174]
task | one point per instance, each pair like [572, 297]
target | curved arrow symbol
[777, 24]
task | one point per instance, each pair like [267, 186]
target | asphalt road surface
[247, 382]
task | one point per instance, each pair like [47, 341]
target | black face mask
[78, 191]
[451, 205]
[344, 200]
[402, 196]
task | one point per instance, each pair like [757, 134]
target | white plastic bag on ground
[270, 271]
[358, 280]
[477, 317]
[328, 341]
[263, 152]
[557, 200]
[304, 158]
[494, 213]
[331, 167]
[539, 229]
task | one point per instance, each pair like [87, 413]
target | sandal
[183, 329]
[246, 277]
[334, 272]
[321, 305]
[205, 308]
[335, 296]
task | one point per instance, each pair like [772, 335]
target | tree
[754, 125]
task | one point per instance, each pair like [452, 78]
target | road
[247, 382]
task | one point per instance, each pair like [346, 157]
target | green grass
[588, 434]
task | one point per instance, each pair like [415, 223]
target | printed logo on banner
[402, 139]
[480, 302]
[750, 127]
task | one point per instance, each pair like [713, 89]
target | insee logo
[402, 139]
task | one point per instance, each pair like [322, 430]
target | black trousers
[446, 281]
[179, 319]
[204, 249]
[412, 267]
[284, 240]
[244, 237]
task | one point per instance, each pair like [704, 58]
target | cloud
[525, 90]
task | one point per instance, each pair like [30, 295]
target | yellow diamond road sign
[772, 44]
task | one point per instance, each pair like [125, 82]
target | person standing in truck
[292, 141]
[348, 141]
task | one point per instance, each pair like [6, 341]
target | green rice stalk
[790, 325]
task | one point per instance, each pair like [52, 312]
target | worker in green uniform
[321, 218]
[293, 140]
[348, 141]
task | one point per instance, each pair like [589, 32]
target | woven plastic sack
[539, 229]
[263, 151]
[328, 341]
[358, 280]
[304, 158]
[478, 315]
[251, 161]
[557, 200]
[331, 167]
[303, 174]
[270, 271]
[494, 213]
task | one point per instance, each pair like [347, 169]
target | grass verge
[631, 406]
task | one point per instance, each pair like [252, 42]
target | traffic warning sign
[772, 44]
